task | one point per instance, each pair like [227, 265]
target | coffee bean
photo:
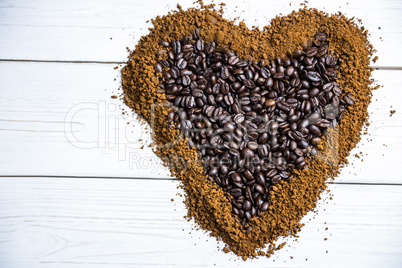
[349, 99]
[234, 152]
[263, 150]
[270, 102]
[186, 81]
[330, 60]
[303, 123]
[315, 141]
[248, 83]
[236, 192]
[164, 43]
[259, 120]
[158, 67]
[233, 60]
[314, 130]
[264, 206]
[269, 82]
[289, 71]
[314, 76]
[259, 189]
[238, 119]
[200, 45]
[176, 47]
[259, 177]
[247, 153]
[279, 75]
[210, 47]
[313, 92]
[252, 145]
[252, 135]
[224, 72]
[181, 63]
[311, 52]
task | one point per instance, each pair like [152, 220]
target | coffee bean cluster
[251, 122]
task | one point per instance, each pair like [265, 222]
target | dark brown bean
[261, 119]
[158, 67]
[264, 206]
[314, 76]
[252, 145]
[311, 52]
[270, 102]
[247, 153]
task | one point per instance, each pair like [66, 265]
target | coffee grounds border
[207, 204]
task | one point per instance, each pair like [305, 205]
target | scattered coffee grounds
[251, 122]
[303, 80]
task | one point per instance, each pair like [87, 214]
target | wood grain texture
[96, 138]
[81, 30]
[59, 119]
[50, 222]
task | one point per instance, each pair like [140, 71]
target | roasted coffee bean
[186, 81]
[311, 52]
[279, 75]
[200, 45]
[234, 152]
[322, 50]
[247, 153]
[303, 123]
[264, 206]
[270, 102]
[224, 72]
[164, 43]
[181, 63]
[210, 47]
[252, 145]
[251, 122]
[158, 67]
[349, 99]
[330, 60]
[176, 46]
[315, 141]
[248, 83]
[273, 125]
[289, 71]
[236, 192]
[233, 60]
[314, 76]
[271, 173]
[305, 84]
[238, 119]
[263, 150]
[269, 82]
[313, 92]
[259, 177]
[259, 189]
[314, 130]
[252, 135]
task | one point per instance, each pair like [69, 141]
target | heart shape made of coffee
[252, 122]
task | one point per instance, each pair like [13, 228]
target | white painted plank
[50, 222]
[38, 98]
[81, 30]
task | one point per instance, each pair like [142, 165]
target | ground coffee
[289, 199]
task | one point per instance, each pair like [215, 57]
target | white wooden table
[76, 190]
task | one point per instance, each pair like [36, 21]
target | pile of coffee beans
[251, 122]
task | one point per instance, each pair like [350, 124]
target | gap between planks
[123, 62]
[163, 179]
